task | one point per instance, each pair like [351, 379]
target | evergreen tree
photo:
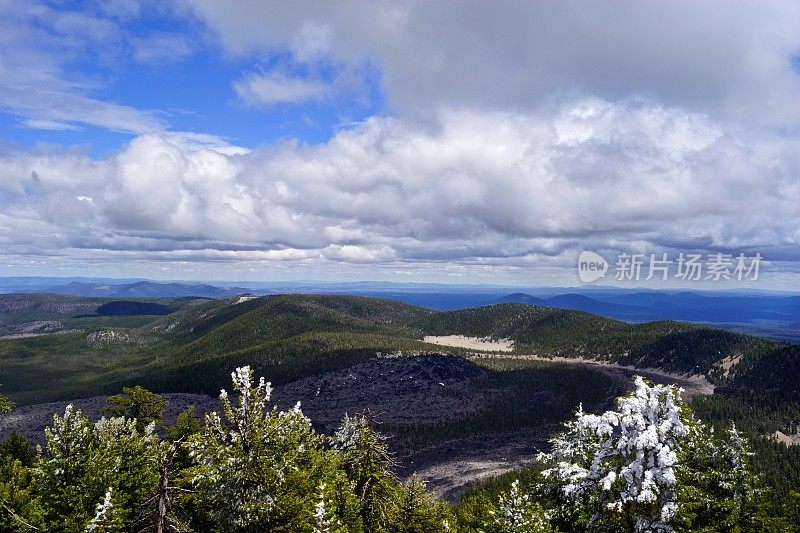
[137, 403]
[617, 470]
[159, 514]
[105, 519]
[258, 469]
[186, 425]
[85, 460]
[20, 510]
[416, 511]
[650, 466]
[17, 447]
[326, 518]
[717, 490]
[342, 502]
[366, 460]
[791, 510]
[5, 405]
[517, 513]
[647, 465]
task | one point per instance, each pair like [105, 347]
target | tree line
[646, 465]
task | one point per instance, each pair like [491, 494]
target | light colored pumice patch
[472, 343]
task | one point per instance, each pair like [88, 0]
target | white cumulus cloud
[476, 189]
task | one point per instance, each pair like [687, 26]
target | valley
[451, 420]
[463, 395]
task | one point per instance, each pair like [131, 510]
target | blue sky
[188, 88]
[451, 142]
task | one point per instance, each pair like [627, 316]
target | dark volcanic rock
[30, 420]
[394, 390]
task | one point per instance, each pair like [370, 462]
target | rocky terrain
[31, 420]
[38, 326]
[397, 392]
[107, 337]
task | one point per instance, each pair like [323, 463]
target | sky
[450, 141]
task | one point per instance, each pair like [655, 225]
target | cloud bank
[513, 135]
[473, 188]
[730, 60]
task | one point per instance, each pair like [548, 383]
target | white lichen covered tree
[87, 467]
[518, 513]
[326, 519]
[646, 465]
[258, 468]
[365, 458]
[618, 469]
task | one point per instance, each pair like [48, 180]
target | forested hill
[287, 337]
[734, 361]
[673, 346]
[292, 335]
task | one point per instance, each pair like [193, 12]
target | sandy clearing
[728, 363]
[783, 438]
[471, 343]
[692, 384]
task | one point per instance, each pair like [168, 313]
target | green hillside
[77, 312]
[673, 346]
[287, 337]
[284, 337]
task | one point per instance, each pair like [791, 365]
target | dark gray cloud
[727, 59]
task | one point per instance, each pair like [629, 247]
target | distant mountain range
[771, 314]
[685, 306]
[138, 289]
[768, 316]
